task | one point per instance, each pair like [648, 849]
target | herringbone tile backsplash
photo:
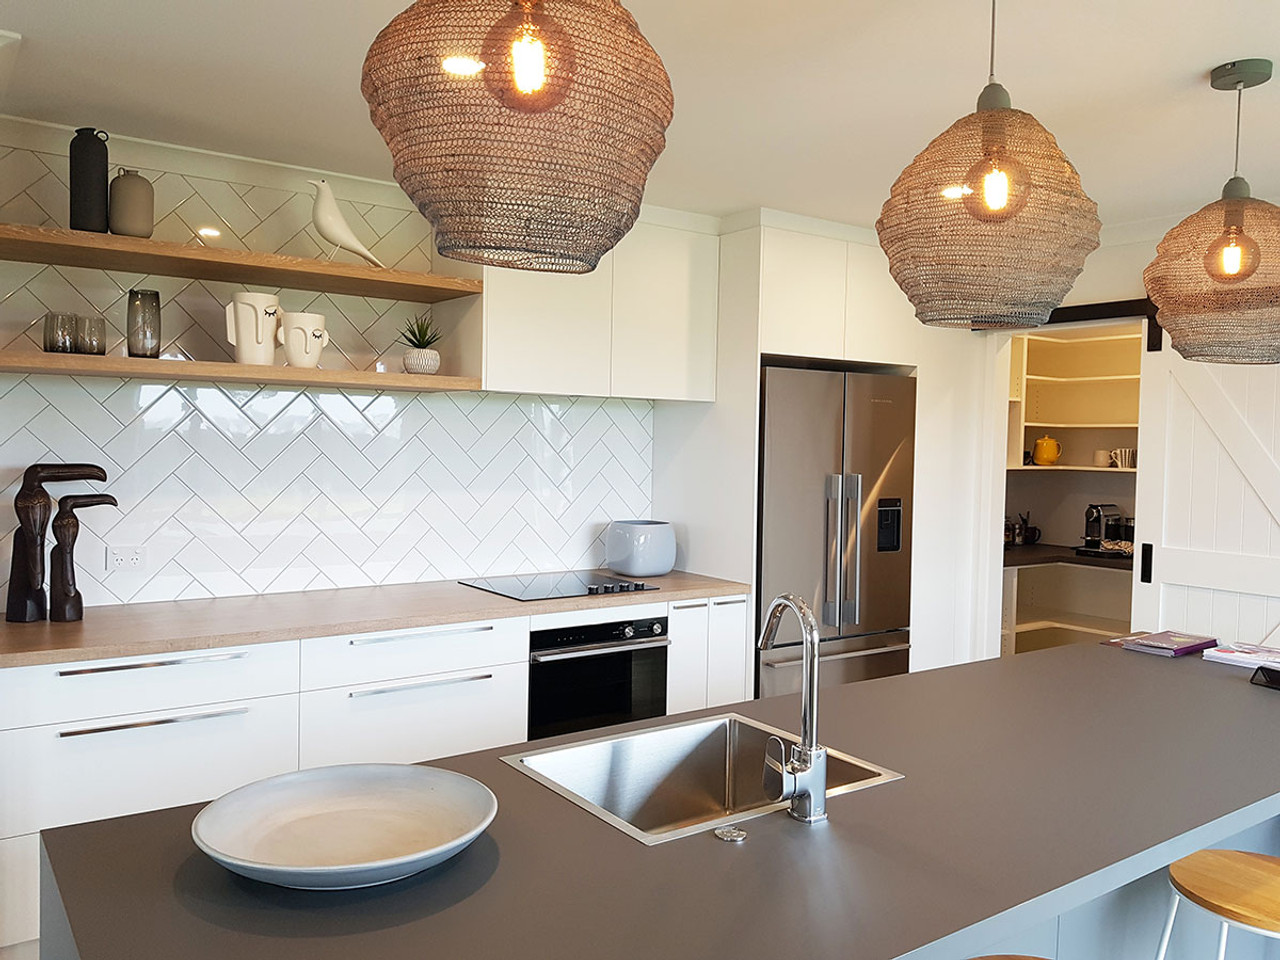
[238, 489]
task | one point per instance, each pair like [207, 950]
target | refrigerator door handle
[832, 561]
[851, 606]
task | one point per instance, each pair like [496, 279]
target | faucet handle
[779, 781]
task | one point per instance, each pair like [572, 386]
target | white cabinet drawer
[19, 889]
[61, 692]
[91, 769]
[338, 661]
[420, 718]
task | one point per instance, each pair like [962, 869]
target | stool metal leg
[1222, 942]
[1168, 927]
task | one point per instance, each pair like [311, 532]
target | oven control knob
[657, 628]
[628, 631]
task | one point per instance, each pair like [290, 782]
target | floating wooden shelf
[81, 365]
[102, 251]
[1044, 379]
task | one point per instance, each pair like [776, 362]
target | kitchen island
[1033, 785]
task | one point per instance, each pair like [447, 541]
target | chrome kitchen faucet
[803, 778]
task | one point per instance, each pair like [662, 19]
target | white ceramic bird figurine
[332, 225]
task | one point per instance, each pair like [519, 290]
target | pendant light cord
[991, 75]
[1239, 108]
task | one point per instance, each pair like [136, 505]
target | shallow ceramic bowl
[338, 828]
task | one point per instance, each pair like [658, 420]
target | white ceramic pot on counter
[640, 548]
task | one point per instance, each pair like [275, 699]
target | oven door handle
[595, 650]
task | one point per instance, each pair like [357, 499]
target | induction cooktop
[549, 586]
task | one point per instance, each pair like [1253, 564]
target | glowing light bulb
[529, 60]
[462, 66]
[1233, 257]
[996, 188]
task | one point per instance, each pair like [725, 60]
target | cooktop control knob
[639, 585]
[628, 631]
[593, 588]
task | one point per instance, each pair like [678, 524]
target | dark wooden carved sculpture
[26, 601]
[65, 602]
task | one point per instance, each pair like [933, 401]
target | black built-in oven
[595, 675]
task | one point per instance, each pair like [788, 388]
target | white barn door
[1208, 499]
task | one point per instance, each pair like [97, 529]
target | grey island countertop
[1031, 785]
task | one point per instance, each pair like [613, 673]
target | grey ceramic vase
[132, 205]
[640, 548]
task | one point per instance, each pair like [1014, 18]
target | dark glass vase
[88, 155]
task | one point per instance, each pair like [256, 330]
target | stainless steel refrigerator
[835, 519]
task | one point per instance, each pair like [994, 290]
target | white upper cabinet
[549, 333]
[642, 324]
[882, 325]
[665, 296]
[802, 295]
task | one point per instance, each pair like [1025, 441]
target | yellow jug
[1046, 451]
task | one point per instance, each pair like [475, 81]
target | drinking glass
[91, 335]
[59, 332]
[144, 323]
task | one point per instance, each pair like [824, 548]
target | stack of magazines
[1166, 643]
[1245, 655]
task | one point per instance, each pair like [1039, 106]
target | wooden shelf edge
[81, 365]
[1083, 426]
[1098, 626]
[1118, 378]
[1069, 468]
[102, 251]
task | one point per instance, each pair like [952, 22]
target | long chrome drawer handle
[775, 664]
[595, 650]
[418, 685]
[116, 668]
[365, 641]
[729, 603]
[689, 606]
[164, 721]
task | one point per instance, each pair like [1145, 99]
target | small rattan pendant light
[1215, 280]
[988, 227]
[523, 130]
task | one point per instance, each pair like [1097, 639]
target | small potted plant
[420, 335]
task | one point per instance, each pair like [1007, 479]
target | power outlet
[133, 559]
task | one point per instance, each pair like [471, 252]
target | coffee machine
[1102, 521]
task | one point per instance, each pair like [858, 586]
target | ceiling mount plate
[1247, 73]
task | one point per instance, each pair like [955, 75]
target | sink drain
[731, 834]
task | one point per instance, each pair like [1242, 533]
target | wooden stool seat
[1240, 886]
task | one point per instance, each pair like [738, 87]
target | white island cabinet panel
[549, 333]
[417, 718]
[687, 624]
[802, 294]
[729, 650]
[113, 766]
[665, 296]
[19, 889]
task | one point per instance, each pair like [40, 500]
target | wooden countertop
[149, 628]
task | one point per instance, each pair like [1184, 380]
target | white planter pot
[421, 360]
[640, 548]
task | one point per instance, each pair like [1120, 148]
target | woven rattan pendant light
[988, 227]
[523, 131]
[1216, 276]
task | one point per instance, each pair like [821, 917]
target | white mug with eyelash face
[303, 336]
[252, 320]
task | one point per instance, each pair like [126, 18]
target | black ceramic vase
[88, 156]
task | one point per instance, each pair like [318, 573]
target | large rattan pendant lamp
[523, 131]
[988, 227]
[1216, 276]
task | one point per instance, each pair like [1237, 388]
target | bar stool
[1240, 889]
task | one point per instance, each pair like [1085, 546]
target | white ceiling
[812, 107]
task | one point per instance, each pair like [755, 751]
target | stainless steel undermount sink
[681, 778]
